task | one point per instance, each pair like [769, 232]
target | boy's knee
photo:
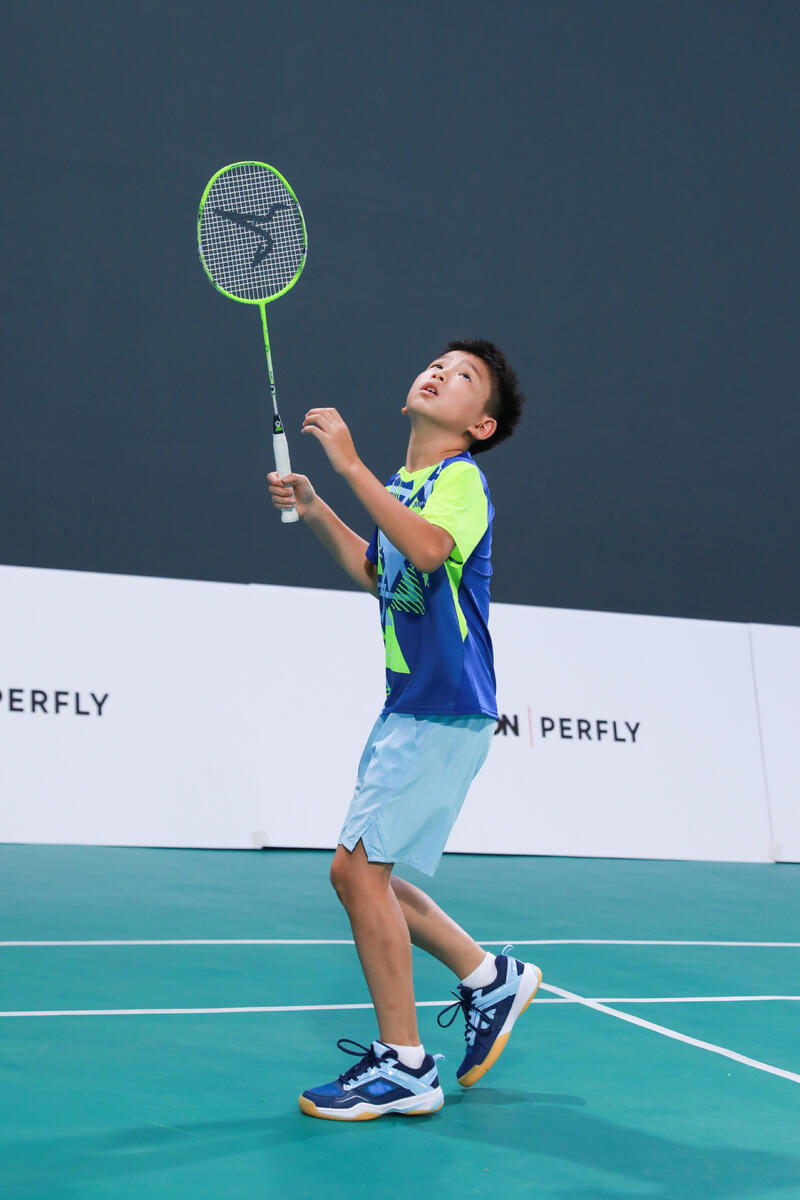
[342, 873]
[337, 875]
[352, 875]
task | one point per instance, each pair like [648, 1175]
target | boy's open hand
[328, 428]
[292, 489]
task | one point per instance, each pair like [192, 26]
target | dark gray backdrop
[607, 189]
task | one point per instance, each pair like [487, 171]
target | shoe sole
[310, 1109]
[498, 1046]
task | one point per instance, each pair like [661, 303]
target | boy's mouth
[429, 387]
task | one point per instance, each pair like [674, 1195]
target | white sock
[409, 1056]
[484, 973]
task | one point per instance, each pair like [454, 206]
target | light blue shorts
[412, 780]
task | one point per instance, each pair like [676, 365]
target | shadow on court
[60, 1167]
[544, 1125]
[671, 1170]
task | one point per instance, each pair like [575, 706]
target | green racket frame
[279, 443]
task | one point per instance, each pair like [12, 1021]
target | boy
[429, 565]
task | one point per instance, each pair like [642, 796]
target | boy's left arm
[423, 544]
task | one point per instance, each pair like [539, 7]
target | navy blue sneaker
[377, 1084]
[491, 1012]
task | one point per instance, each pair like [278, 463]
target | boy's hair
[505, 400]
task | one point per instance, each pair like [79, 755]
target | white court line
[268, 1008]
[349, 942]
[633, 942]
[673, 1033]
[199, 942]
[152, 1012]
[564, 998]
[665, 999]
[196, 942]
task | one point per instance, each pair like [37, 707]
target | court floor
[160, 1011]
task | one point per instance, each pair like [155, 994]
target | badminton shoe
[377, 1084]
[491, 1012]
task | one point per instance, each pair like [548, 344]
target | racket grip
[283, 466]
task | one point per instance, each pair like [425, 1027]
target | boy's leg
[382, 940]
[499, 988]
[432, 930]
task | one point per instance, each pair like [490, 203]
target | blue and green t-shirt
[439, 658]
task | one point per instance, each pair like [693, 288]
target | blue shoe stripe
[379, 1084]
[488, 1009]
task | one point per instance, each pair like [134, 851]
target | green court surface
[119, 1103]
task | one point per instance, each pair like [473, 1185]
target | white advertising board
[140, 711]
[320, 664]
[776, 662]
[626, 736]
[128, 710]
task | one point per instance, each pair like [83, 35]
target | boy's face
[453, 392]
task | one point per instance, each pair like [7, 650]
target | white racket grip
[283, 466]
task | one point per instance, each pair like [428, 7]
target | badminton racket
[252, 241]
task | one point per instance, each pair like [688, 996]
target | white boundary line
[673, 1033]
[560, 994]
[197, 942]
[349, 942]
[561, 997]
[153, 1012]
[636, 942]
[564, 998]
[667, 999]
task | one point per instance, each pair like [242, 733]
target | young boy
[428, 562]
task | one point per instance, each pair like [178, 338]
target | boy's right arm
[345, 545]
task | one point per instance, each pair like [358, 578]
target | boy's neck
[426, 451]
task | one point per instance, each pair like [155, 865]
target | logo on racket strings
[259, 225]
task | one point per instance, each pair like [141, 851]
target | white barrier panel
[128, 713]
[161, 712]
[623, 735]
[776, 659]
[637, 737]
[322, 685]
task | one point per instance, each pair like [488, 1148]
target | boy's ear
[483, 429]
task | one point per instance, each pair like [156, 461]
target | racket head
[251, 234]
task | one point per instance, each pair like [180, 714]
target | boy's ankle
[408, 1056]
[484, 974]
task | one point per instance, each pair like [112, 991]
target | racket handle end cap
[289, 516]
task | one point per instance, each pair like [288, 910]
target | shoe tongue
[380, 1048]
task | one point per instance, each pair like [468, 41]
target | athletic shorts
[412, 780]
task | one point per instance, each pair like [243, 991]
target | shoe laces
[475, 1018]
[366, 1056]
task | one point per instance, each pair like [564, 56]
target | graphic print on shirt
[401, 586]
[439, 656]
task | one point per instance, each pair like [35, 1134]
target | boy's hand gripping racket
[252, 240]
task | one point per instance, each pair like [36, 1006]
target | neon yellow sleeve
[458, 505]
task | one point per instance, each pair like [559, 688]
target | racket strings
[251, 233]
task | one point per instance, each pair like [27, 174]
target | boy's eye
[466, 375]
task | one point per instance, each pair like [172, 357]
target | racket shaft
[283, 466]
[280, 446]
